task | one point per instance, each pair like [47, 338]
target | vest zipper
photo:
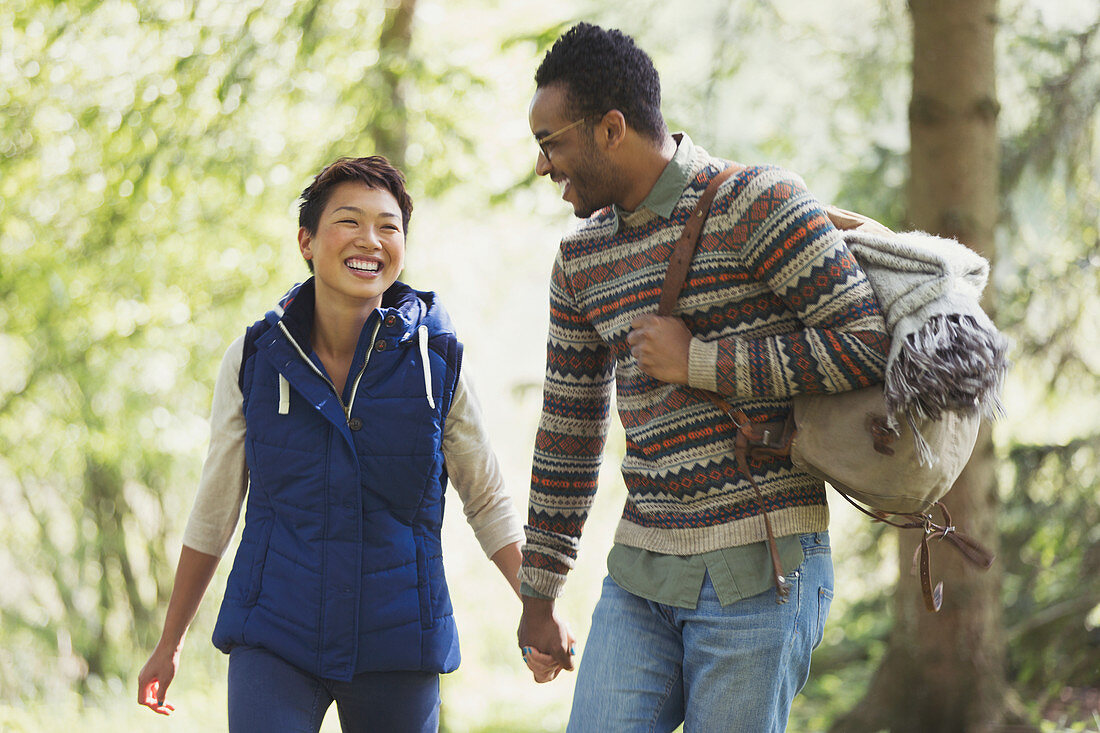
[355, 385]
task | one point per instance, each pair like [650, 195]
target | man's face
[572, 159]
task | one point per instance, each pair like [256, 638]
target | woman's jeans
[648, 667]
[268, 694]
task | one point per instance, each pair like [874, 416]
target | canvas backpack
[892, 450]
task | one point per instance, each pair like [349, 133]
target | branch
[1074, 607]
[1038, 143]
[1035, 453]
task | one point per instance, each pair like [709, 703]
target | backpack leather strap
[751, 440]
[771, 438]
[972, 551]
[682, 253]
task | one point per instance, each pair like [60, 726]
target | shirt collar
[670, 185]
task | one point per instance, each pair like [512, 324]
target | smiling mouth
[368, 266]
[364, 265]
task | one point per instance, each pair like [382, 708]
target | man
[688, 628]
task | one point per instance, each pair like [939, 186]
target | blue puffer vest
[340, 568]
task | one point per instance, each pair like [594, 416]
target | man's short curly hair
[603, 70]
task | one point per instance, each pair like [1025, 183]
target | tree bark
[390, 129]
[945, 672]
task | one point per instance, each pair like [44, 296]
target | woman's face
[358, 250]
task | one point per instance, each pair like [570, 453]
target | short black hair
[375, 171]
[603, 70]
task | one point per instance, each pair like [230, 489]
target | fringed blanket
[946, 353]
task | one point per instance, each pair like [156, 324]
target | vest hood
[419, 312]
[413, 307]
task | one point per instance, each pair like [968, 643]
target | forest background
[150, 157]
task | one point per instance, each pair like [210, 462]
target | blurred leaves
[1052, 572]
[150, 155]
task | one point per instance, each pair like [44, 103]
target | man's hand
[661, 344]
[541, 630]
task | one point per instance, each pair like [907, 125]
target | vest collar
[403, 310]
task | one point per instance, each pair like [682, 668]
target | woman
[340, 416]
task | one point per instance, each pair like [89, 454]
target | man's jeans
[648, 667]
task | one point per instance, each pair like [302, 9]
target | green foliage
[1047, 286]
[150, 155]
[1052, 576]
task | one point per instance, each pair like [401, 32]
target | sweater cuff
[542, 583]
[703, 365]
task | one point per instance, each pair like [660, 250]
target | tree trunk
[944, 672]
[390, 129]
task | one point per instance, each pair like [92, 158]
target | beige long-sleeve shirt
[471, 465]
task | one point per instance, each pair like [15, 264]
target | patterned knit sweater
[777, 307]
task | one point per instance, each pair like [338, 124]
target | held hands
[542, 666]
[661, 344]
[545, 640]
[154, 678]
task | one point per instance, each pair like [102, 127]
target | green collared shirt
[676, 580]
[670, 185]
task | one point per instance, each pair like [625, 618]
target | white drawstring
[284, 395]
[423, 333]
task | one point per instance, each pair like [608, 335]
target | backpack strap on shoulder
[248, 350]
[682, 253]
[751, 440]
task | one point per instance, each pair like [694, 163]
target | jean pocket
[815, 543]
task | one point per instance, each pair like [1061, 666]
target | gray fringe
[952, 363]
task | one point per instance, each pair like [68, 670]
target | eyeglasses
[547, 138]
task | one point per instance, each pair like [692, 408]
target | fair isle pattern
[774, 289]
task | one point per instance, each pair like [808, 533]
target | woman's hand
[542, 666]
[154, 678]
[193, 575]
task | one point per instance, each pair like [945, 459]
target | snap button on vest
[380, 344]
[355, 423]
[390, 320]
